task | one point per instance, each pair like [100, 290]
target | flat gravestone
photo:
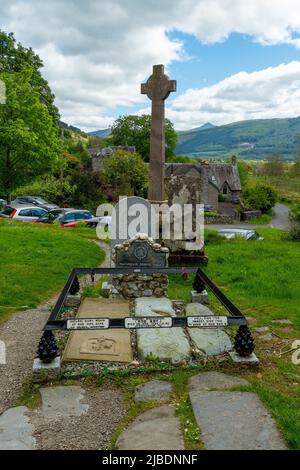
[234, 421]
[157, 429]
[214, 380]
[163, 343]
[153, 390]
[210, 341]
[64, 401]
[16, 430]
[100, 345]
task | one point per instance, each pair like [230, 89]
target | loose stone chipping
[157, 429]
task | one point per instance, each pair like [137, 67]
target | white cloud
[269, 93]
[96, 53]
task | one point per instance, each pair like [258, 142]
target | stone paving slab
[157, 429]
[153, 390]
[103, 345]
[234, 421]
[16, 430]
[64, 401]
[214, 380]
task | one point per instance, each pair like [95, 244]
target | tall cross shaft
[157, 88]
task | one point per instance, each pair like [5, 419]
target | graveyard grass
[35, 262]
[262, 279]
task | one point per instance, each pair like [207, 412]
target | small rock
[261, 329]
[283, 322]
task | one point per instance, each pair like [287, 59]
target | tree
[126, 173]
[29, 143]
[295, 218]
[14, 58]
[261, 196]
[275, 166]
[135, 131]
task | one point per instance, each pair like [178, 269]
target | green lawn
[262, 279]
[35, 261]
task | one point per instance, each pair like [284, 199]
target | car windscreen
[7, 211]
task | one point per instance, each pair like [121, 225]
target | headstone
[140, 252]
[157, 88]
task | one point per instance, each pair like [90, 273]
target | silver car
[23, 213]
[231, 233]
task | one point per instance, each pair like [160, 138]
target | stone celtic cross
[157, 88]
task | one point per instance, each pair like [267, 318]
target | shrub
[295, 228]
[261, 196]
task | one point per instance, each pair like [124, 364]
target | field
[36, 260]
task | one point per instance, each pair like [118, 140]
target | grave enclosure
[135, 319]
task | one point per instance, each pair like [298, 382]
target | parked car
[23, 213]
[231, 233]
[34, 201]
[51, 216]
[72, 218]
[2, 203]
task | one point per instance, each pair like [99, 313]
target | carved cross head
[158, 86]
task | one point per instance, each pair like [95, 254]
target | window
[38, 212]
[68, 218]
[8, 211]
[25, 213]
[225, 190]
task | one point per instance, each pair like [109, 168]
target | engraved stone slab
[100, 345]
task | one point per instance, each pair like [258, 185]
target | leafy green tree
[135, 131]
[14, 58]
[127, 173]
[29, 143]
[295, 218]
[261, 196]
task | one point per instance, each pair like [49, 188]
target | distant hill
[101, 133]
[255, 139]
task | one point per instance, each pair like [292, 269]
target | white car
[23, 213]
[105, 223]
[231, 233]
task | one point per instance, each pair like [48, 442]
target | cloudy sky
[233, 59]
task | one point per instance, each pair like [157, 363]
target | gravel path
[90, 431]
[21, 335]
